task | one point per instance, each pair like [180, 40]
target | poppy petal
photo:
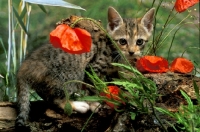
[70, 42]
[112, 93]
[113, 90]
[152, 64]
[56, 34]
[74, 41]
[84, 38]
[181, 65]
[182, 5]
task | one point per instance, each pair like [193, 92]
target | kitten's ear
[114, 19]
[147, 19]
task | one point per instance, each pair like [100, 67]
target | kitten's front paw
[94, 106]
[80, 106]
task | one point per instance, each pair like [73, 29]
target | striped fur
[133, 32]
[47, 69]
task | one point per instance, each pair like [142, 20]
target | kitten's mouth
[132, 57]
[133, 60]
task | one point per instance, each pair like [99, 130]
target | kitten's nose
[131, 53]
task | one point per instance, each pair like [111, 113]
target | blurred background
[183, 27]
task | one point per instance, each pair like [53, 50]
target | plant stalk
[10, 28]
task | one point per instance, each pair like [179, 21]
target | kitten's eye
[140, 42]
[122, 41]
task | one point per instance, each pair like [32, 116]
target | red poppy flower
[112, 93]
[152, 64]
[181, 65]
[182, 5]
[74, 41]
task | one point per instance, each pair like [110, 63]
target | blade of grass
[4, 49]
[196, 88]
[43, 8]
[14, 56]
[172, 42]
[173, 29]
[189, 101]
[27, 28]
[22, 10]
[127, 67]
[19, 20]
[54, 3]
[10, 28]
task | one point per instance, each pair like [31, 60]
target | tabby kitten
[46, 69]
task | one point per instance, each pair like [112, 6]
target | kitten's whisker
[117, 58]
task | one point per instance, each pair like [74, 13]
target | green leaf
[23, 13]
[129, 68]
[43, 8]
[3, 70]
[97, 82]
[100, 98]
[133, 115]
[127, 85]
[1, 76]
[92, 98]
[164, 111]
[67, 94]
[196, 88]
[54, 3]
[4, 49]
[68, 108]
[172, 42]
[172, 125]
[5, 97]
[189, 101]
[20, 21]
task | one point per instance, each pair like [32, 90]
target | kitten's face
[130, 34]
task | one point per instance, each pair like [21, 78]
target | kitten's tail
[23, 104]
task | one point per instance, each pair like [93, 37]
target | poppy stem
[156, 116]
[174, 28]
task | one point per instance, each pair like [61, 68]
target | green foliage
[135, 91]
[188, 115]
[138, 93]
[18, 20]
[6, 81]
[97, 82]
[140, 89]
[68, 108]
[196, 89]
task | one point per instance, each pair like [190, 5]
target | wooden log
[7, 116]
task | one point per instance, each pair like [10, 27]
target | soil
[44, 118]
